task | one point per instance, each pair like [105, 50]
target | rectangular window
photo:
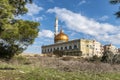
[87, 45]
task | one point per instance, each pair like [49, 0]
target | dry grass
[69, 63]
[37, 67]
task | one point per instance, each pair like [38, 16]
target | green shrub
[107, 57]
[20, 60]
[116, 59]
[95, 58]
[58, 53]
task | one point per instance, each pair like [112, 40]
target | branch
[114, 1]
[117, 14]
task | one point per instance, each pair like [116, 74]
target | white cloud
[82, 2]
[103, 18]
[33, 9]
[46, 34]
[73, 34]
[79, 23]
[37, 18]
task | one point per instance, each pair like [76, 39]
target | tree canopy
[116, 2]
[15, 34]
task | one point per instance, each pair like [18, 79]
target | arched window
[75, 46]
[61, 48]
[58, 48]
[48, 50]
[65, 47]
[51, 50]
[70, 47]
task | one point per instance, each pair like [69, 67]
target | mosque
[77, 47]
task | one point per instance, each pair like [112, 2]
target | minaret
[56, 26]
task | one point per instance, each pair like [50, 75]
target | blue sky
[90, 19]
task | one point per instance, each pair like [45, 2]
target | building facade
[112, 48]
[82, 47]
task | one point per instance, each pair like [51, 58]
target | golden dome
[61, 37]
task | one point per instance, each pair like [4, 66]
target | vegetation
[15, 35]
[116, 58]
[110, 57]
[50, 68]
[107, 56]
[116, 2]
[95, 58]
[60, 53]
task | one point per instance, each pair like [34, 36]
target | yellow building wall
[88, 47]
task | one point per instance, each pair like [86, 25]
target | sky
[89, 19]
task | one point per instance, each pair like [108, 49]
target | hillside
[36, 67]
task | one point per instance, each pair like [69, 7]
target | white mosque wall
[88, 48]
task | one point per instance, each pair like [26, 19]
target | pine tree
[15, 35]
[116, 2]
